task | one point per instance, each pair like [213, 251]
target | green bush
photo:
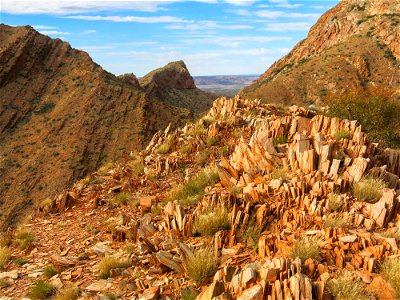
[24, 238]
[42, 290]
[212, 221]
[369, 189]
[122, 198]
[5, 255]
[305, 249]
[390, 270]
[376, 111]
[342, 134]
[108, 263]
[346, 287]
[201, 265]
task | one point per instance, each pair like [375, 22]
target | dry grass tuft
[369, 189]
[336, 221]
[163, 148]
[347, 287]
[212, 141]
[188, 193]
[390, 270]
[305, 249]
[23, 238]
[49, 271]
[5, 255]
[42, 290]
[336, 202]
[280, 173]
[342, 134]
[201, 265]
[68, 293]
[108, 263]
[212, 221]
[122, 198]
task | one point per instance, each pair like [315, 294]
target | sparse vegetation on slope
[348, 287]
[201, 265]
[212, 221]
[369, 189]
[305, 249]
[390, 270]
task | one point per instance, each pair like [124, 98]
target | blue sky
[213, 37]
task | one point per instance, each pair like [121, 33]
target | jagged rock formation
[174, 85]
[62, 116]
[283, 177]
[353, 46]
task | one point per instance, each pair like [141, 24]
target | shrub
[20, 261]
[224, 151]
[305, 249]
[390, 270]
[49, 271]
[189, 293]
[369, 189]
[197, 130]
[189, 192]
[137, 168]
[201, 265]
[68, 293]
[24, 238]
[212, 221]
[187, 148]
[279, 140]
[346, 287]
[163, 148]
[108, 263]
[342, 134]
[336, 222]
[252, 234]
[122, 198]
[280, 173]
[212, 141]
[203, 157]
[5, 255]
[42, 290]
[335, 203]
[376, 111]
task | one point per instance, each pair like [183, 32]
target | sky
[213, 37]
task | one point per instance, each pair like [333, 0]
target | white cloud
[317, 6]
[272, 14]
[155, 19]
[232, 41]
[287, 5]
[54, 32]
[241, 2]
[205, 25]
[89, 31]
[77, 7]
[291, 26]
[43, 27]
[240, 12]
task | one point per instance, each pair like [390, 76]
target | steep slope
[174, 85]
[62, 116]
[355, 45]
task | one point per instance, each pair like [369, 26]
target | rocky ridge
[279, 172]
[355, 45]
[62, 116]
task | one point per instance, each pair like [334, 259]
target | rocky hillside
[62, 116]
[174, 85]
[248, 203]
[354, 46]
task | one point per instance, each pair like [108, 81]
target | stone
[348, 239]
[11, 274]
[248, 276]
[163, 258]
[99, 286]
[152, 293]
[214, 290]
[253, 293]
[146, 203]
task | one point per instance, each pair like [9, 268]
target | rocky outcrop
[318, 65]
[174, 85]
[130, 79]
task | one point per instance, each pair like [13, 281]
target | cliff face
[62, 116]
[354, 45]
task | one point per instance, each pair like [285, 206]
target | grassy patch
[342, 134]
[187, 148]
[212, 141]
[346, 287]
[376, 111]
[279, 140]
[42, 290]
[189, 192]
[369, 189]
[336, 222]
[20, 261]
[203, 157]
[49, 271]
[305, 249]
[122, 198]
[24, 238]
[68, 293]
[5, 255]
[335, 203]
[189, 293]
[163, 148]
[201, 265]
[390, 270]
[212, 221]
[280, 173]
[251, 235]
[108, 263]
